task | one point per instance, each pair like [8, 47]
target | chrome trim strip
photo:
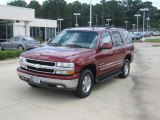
[111, 63]
[40, 60]
[110, 66]
[45, 67]
[39, 71]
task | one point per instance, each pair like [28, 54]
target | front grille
[40, 66]
[40, 69]
[47, 63]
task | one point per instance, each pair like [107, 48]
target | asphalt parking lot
[134, 98]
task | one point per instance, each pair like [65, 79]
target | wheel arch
[92, 68]
[22, 46]
[129, 57]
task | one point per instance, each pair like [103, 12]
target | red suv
[77, 58]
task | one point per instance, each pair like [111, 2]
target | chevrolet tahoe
[77, 58]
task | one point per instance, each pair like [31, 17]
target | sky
[156, 3]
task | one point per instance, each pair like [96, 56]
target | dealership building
[18, 21]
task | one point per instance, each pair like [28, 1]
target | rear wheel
[125, 69]
[20, 47]
[1, 48]
[85, 83]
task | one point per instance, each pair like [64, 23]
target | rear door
[119, 50]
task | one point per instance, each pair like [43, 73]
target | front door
[105, 57]
[8, 44]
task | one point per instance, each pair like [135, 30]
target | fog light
[22, 78]
[60, 86]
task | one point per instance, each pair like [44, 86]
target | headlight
[65, 65]
[22, 59]
[65, 68]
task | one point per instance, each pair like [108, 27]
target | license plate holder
[35, 80]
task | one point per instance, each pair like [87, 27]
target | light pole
[149, 28]
[90, 22]
[60, 24]
[133, 27]
[108, 21]
[76, 14]
[96, 20]
[147, 19]
[144, 10]
[57, 26]
[137, 15]
[126, 24]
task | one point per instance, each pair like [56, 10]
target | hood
[58, 53]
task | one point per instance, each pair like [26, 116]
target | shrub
[9, 54]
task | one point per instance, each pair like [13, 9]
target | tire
[125, 69]
[1, 48]
[85, 84]
[32, 85]
[20, 47]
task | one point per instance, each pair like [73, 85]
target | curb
[10, 61]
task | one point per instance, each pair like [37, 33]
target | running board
[107, 78]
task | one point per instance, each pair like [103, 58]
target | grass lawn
[152, 40]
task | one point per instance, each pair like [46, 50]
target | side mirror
[106, 46]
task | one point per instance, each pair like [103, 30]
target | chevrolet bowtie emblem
[37, 66]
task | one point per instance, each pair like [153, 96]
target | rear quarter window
[126, 37]
[117, 38]
[24, 39]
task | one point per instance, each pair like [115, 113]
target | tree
[97, 10]
[118, 11]
[35, 5]
[18, 3]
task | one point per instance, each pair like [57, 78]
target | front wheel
[85, 83]
[125, 69]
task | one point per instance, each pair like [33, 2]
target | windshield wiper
[55, 44]
[73, 45]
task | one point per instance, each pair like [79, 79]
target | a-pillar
[27, 29]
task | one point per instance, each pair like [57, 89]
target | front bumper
[49, 82]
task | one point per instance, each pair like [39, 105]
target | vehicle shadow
[59, 96]
[107, 83]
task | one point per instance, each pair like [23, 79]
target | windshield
[81, 39]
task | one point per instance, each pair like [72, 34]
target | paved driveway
[134, 98]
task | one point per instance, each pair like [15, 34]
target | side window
[126, 37]
[24, 39]
[12, 39]
[16, 39]
[117, 38]
[106, 38]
